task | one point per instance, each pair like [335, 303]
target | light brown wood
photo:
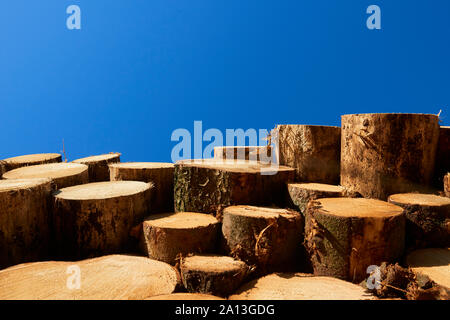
[388, 153]
[212, 274]
[432, 262]
[298, 286]
[158, 173]
[98, 165]
[96, 218]
[185, 296]
[63, 174]
[114, 277]
[31, 160]
[313, 151]
[24, 220]
[210, 185]
[427, 219]
[254, 153]
[301, 193]
[169, 235]
[267, 239]
[346, 235]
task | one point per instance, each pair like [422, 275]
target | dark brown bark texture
[442, 156]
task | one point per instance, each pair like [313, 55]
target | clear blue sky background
[138, 69]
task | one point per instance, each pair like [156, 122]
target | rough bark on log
[314, 151]
[24, 220]
[212, 274]
[98, 165]
[2, 168]
[447, 185]
[63, 175]
[442, 156]
[384, 154]
[267, 239]
[253, 153]
[169, 235]
[31, 160]
[427, 219]
[299, 286]
[159, 173]
[185, 296]
[301, 193]
[114, 277]
[210, 185]
[346, 235]
[96, 218]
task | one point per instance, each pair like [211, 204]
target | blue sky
[139, 69]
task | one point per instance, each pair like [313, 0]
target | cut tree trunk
[31, 160]
[442, 156]
[447, 185]
[24, 220]
[63, 175]
[185, 296]
[346, 235]
[210, 185]
[212, 274]
[314, 151]
[427, 219]
[98, 165]
[299, 286]
[301, 193]
[267, 239]
[171, 235]
[2, 168]
[114, 277]
[253, 153]
[159, 173]
[384, 154]
[96, 218]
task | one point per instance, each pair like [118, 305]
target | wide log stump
[301, 193]
[427, 219]
[212, 274]
[267, 239]
[346, 235]
[98, 165]
[62, 174]
[254, 153]
[384, 154]
[185, 296]
[169, 236]
[158, 173]
[210, 185]
[114, 277]
[447, 185]
[299, 286]
[24, 220]
[96, 218]
[314, 151]
[31, 160]
[442, 156]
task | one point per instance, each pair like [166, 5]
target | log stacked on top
[31, 160]
[114, 277]
[97, 218]
[346, 235]
[267, 239]
[170, 236]
[442, 155]
[447, 185]
[427, 219]
[301, 193]
[384, 154]
[253, 153]
[62, 174]
[158, 173]
[314, 151]
[98, 165]
[24, 220]
[210, 185]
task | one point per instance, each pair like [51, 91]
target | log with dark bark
[98, 165]
[96, 218]
[62, 174]
[31, 160]
[158, 173]
[254, 153]
[314, 151]
[384, 154]
[442, 156]
[24, 220]
[267, 239]
[169, 236]
[346, 235]
[212, 274]
[301, 193]
[427, 219]
[210, 185]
